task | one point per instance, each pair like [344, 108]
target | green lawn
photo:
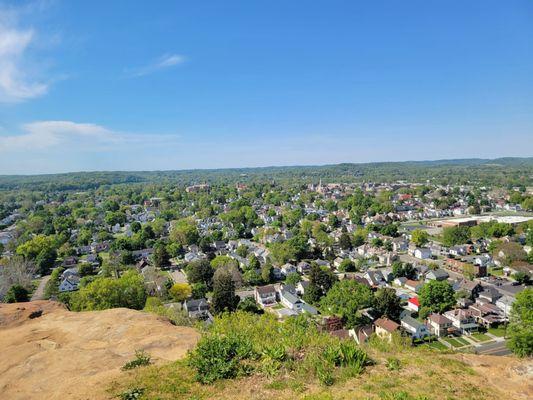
[436, 345]
[480, 337]
[499, 331]
[455, 342]
[463, 341]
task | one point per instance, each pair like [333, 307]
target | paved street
[493, 349]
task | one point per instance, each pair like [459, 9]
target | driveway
[178, 276]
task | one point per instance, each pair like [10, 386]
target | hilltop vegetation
[267, 359]
[501, 171]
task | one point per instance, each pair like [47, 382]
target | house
[309, 309]
[400, 281]
[287, 269]
[197, 308]
[362, 333]
[489, 295]
[422, 253]
[385, 327]
[144, 253]
[463, 320]
[504, 303]
[277, 273]
[458, 251]
[439, 325]
[69, 284]
[399, 244]
[303, 267]
[291, 301]
[472, 288]
[414, 286]
[421, 271]
[265, 295]
[464, 267]
[220, 246]
[375, 278]
[413, 304]
[301, 287]
[70, 272]
[141, 264]
[487, 314]
[70, 261]
[416, 329]
[483, 260]
[387, 258]
[437, 275]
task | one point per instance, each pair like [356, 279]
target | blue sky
[130, 85]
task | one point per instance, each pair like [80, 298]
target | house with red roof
[413, 304]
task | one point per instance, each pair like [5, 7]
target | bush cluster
[240, 344]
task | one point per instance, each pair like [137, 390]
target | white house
[287, 269]
[290, 301]
[265, 295]
[463, 320]
[417, 329]
[422, 253]
[413, 304]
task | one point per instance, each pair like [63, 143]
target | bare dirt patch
[59, 354]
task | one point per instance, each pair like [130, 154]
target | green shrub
[241, 343]
[132, 394]
[141, 359]
[324, 373]
[221, 357]
[393, 364]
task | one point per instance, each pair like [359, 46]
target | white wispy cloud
[17, 81]
[72, 136]
[163, 62]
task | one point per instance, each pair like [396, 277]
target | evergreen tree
[224, 298]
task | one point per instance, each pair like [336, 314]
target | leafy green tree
[86, 269]
[267, 272]
[161, 257]
[184, 232]
[45, 260]
[224, 262]
[200, 272]
[180, 291]
[345, 299]
[35, 246]
[199, 290]
[520, 329]
[248, 304]
[455, 235]
[17, 294]
[320, 282]
[252, 277]
[126, 291]
[436, 297]
[419, 237]
[522, 277]
[242, 251]
[345, 242]
[387, 303]
[253, 262]
[406, 270]
[347, 265]
[224, 297]
[293, 278]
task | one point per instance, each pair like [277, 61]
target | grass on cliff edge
[286, 360]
